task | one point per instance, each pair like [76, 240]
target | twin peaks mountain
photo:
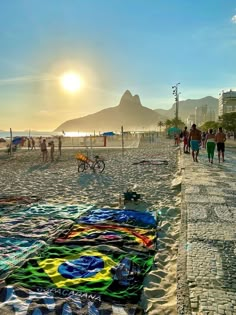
[129, 113]
[133, 116]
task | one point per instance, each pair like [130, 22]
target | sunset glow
[71, 82]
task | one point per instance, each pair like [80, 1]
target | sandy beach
[59, 183]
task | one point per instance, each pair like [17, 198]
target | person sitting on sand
[210, 145]
[195, 140]
[220, 138]
[44, 150]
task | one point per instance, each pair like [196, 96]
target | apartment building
[227, 102]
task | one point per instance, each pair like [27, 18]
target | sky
[145, 46]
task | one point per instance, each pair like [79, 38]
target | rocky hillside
[130, 113]
[187, 107]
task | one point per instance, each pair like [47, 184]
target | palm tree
[160, 124]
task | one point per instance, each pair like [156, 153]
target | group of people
[195, 138]
[44, 148]
[31, 143]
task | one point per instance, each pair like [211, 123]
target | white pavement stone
[209, 194]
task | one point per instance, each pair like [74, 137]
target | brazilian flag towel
[104, 270]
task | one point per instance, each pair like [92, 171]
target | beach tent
[109, 133]
[173, 130]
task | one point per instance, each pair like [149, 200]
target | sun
[71, 82]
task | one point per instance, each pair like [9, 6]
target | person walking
[220, 138]
[185, 136]
[195, 140]
[204, 140]
[210, 145]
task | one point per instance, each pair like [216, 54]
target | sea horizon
[37, 133]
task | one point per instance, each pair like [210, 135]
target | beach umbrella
[109, 133]
[17, 140]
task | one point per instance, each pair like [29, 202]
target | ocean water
[46, 134]
[6, 134]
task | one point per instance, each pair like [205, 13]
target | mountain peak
[128, 100]
[129, 113]
[127, 93]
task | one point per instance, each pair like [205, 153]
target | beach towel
[103, 270]
[56, 211]
[8, 209]
[37, 228]
[122, 217]
[14, 252]
[16, 300]
[9, 200]
[132, 238]
[9, 204]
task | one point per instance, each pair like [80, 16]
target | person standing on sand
[220, 138]
[44, 150]
[177, 139]
[40, 141]
[52, 151]
[210, 145]
[33, 144]
[195, 140]
[59, 145]
[29, 144]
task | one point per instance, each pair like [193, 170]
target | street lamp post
[176, 94]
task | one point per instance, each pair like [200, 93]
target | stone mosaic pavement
[209, 204]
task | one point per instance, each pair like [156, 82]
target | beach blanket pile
[88, 261]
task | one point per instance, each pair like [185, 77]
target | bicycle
[84, 163]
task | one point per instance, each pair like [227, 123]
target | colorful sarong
[124, 237]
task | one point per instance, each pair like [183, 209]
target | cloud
[27, 78]
[233, 19]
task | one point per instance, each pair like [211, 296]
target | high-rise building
[203, 114]
[197, 115]
[211, 115]
[190, 120]
[227, 102]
